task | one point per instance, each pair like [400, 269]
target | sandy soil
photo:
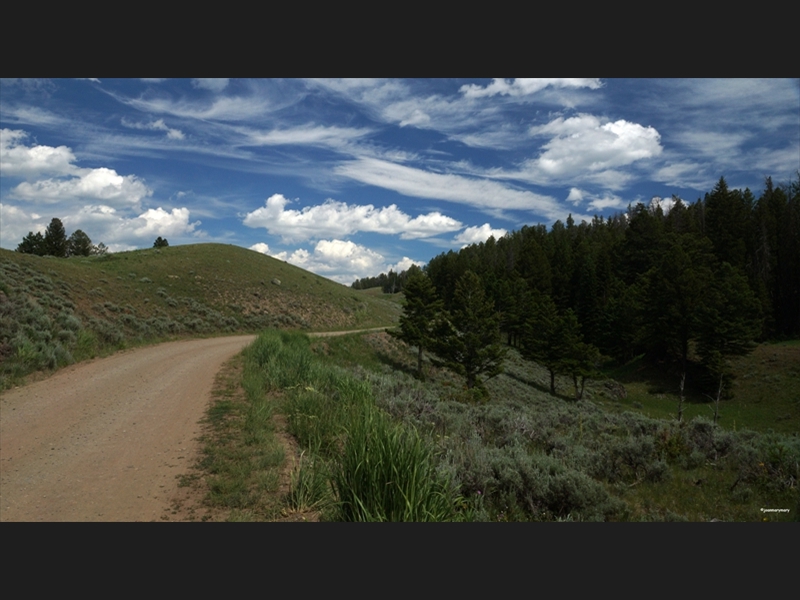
[107, 440]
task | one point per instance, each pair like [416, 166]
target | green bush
[106, 332]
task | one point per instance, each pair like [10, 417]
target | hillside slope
[55, 311]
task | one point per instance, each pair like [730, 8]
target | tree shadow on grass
[538, 386]
[396, 364]
[662, 379]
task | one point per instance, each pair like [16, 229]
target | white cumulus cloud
[68, 182]
[261, 247]
[586, 145]
[475, 235]
[157, 221]
[102, 223]
[32, 161]
[337, 219]
[575, 196]
[101, 184]
[340, 260]
[119, 232]
[16, 223]
[403, 265]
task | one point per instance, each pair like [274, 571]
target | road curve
[106, 440]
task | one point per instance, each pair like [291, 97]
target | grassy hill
[55, 311]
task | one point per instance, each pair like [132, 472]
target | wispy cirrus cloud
[594, 201]
[310, 135]
[158, 125]
[210, 83]
[484, 194]
[525, 87]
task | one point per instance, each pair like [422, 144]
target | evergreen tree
[729, 320]
[727, 215]
[420, 314]
[675, 290]
[468, 342]
[79, 244]
[581, 362]
[160, 242]
[542, 338]
[55, 239]
[622, 323]
[33, 243]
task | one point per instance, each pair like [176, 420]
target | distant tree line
[390, 283]
[55, 242]
[689, 289]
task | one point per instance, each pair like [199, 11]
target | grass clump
[310, 485]
[386, 473]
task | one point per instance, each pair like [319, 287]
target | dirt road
[335, 333]
[105, 440]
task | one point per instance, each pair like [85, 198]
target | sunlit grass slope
[55, 311]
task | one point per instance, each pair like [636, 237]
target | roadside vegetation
[375, 443]
[355, 462]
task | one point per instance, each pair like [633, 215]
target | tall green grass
[373, 470]
[386, 473]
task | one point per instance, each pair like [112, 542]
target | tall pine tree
[468, 342]
[421, 311]
[55, 239]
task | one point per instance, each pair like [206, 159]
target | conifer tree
[728, 322]
[542, 338]
[420, 314]
[55, 239]
[79, 244]
[33, 243]
[468, 342]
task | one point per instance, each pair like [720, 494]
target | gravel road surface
[105, 440]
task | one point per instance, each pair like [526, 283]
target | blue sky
[348, 178]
